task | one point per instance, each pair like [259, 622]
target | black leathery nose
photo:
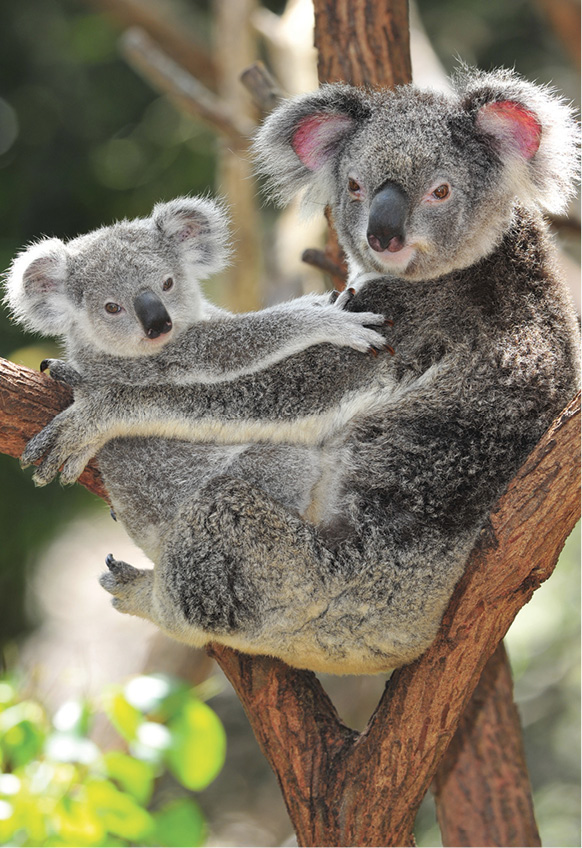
[387, 218]
[152, 314]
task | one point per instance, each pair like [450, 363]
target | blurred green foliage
[58, 788]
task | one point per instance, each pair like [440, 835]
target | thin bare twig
[190, 95]
[262, 86]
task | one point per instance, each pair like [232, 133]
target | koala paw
[131, 587]
[70, 440]
[367, 318]
[62, 372]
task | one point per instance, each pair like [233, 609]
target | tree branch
[191, 96]
[484, 769]
[184, 51]
[262, 86]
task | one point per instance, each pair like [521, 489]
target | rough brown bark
[345, 788]
[481, 787]
[363, 42]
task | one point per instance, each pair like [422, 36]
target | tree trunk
[481, 787]
[347, 788]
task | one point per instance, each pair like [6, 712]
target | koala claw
[75, 465]
[38, 446]
[62, 372]
[122, 570]
[131, 587]
[344, 298]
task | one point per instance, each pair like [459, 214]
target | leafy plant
[58, 788]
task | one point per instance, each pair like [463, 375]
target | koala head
[126, 289]
[421, 183]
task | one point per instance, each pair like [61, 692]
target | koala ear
[532, 130]
[35, 288]
[516, 129]
[300, 139]
[198, 229]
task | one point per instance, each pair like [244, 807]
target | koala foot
[62, 372]
[132, 588]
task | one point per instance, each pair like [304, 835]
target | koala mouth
[157, 341]
[396, 260]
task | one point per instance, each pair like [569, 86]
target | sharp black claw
[44, 365]
[110, 561]
[112, 514]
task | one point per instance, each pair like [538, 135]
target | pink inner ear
[188, 231]
[315, 136]
[512, 124]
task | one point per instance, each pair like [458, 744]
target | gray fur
[413, 450]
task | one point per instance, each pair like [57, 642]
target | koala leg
[240, 569]
[132, 588]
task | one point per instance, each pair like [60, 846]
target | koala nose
[387, 218]
[152, 314]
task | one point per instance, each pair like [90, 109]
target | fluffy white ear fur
[316, 135]
[536, 134]
[36, 288]
[198, 227]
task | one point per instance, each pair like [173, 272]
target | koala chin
[365, 480]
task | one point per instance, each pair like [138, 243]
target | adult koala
[437, 200]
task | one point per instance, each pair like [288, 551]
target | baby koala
[126, 301]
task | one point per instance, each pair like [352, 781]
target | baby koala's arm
[230, 346]
[301, 400]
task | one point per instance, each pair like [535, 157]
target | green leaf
[158, 694]
[134, 776]
[198, 747]
[22, 732]
[73, 717]
[123, 716]
[71, 748]
[77, 822]
[118, 812]
[7, 694]
[180, 823]
[8, 822]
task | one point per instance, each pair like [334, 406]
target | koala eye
[354, 187]
[441, 192]
[112, 308]
[167, 284]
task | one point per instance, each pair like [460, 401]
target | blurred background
[91, 131]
